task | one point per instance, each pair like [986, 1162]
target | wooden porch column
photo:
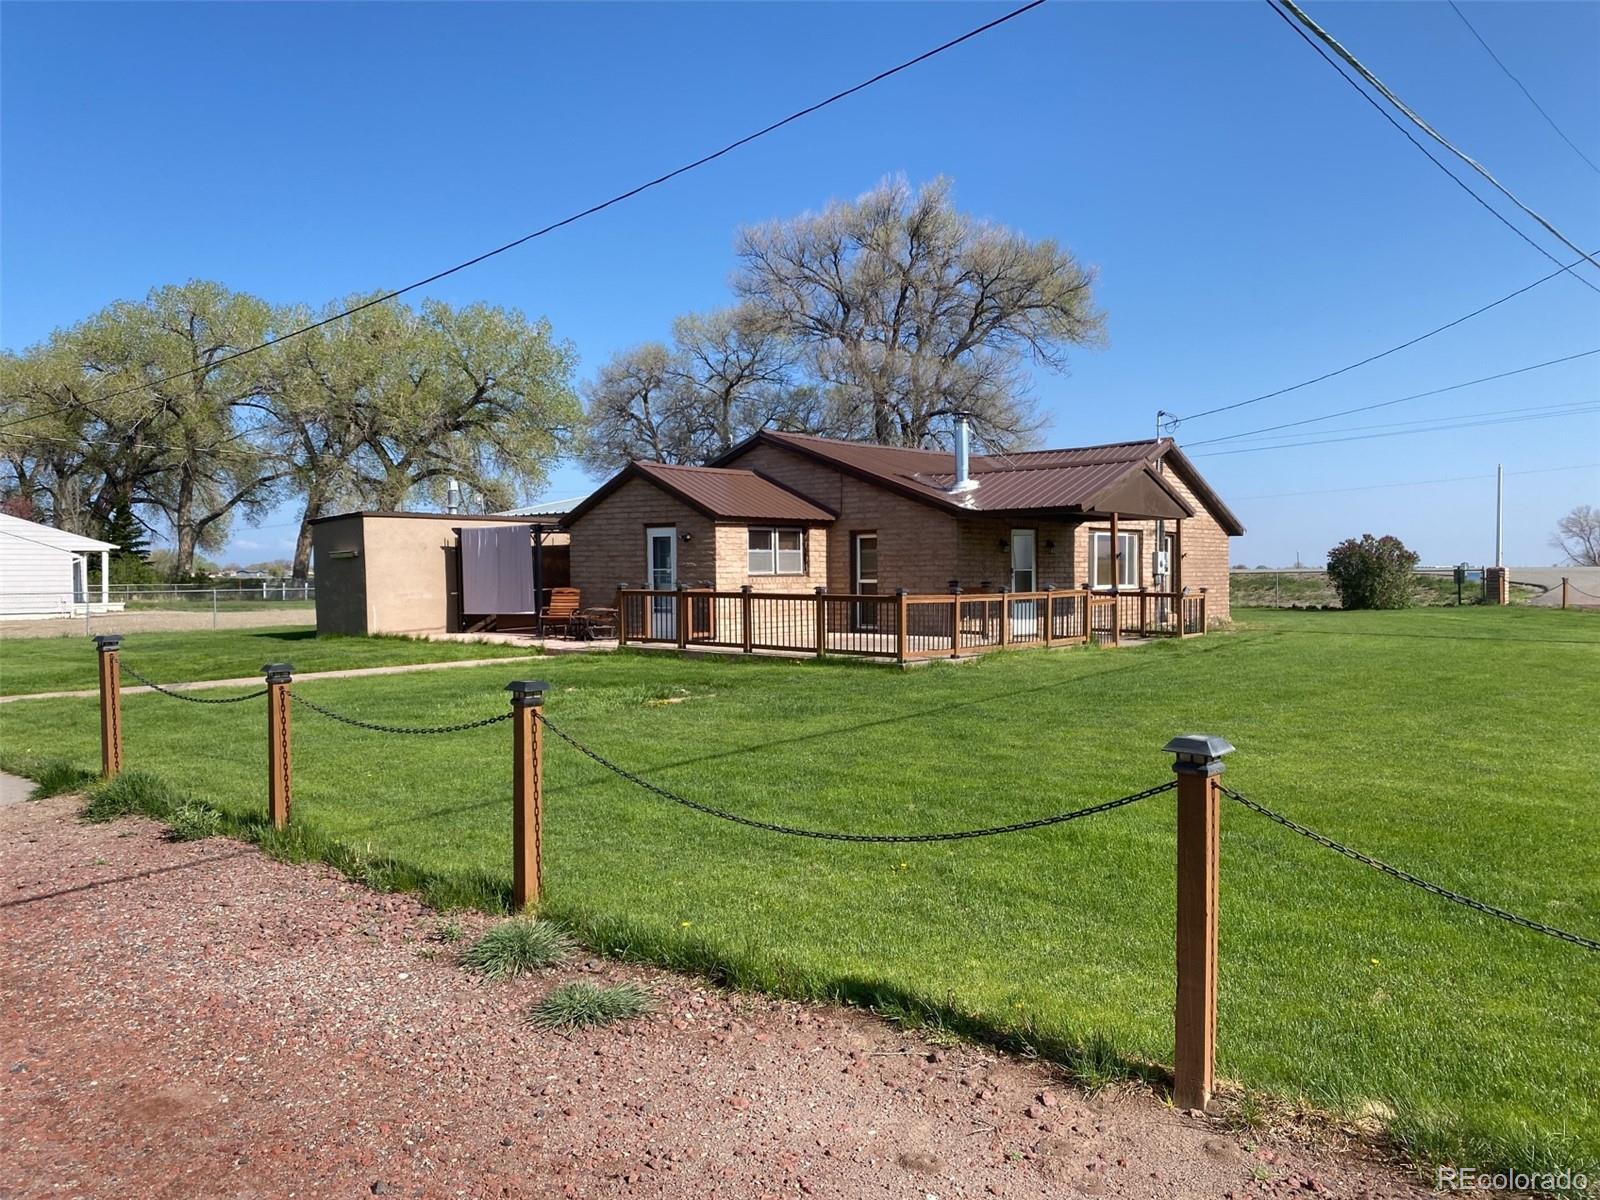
[1176, 573]
[1198, 764]
[1116, 583]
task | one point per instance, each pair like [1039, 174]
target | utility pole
[1499, 515]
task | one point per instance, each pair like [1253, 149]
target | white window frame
[775, 550]
[1129, 563]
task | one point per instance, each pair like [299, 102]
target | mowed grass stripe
[1448, 743]
[66, 664]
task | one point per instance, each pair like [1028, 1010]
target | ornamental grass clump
[131, 792]
[575, 1005]
[192, 821]
[516, 947]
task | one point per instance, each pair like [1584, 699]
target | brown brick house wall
[916, 543]
[608, 545]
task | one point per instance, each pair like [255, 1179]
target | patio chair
[558, 614]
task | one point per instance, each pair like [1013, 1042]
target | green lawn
[30, 665]
[1457, 743]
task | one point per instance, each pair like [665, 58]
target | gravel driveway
[158, 620]
[197, 1020]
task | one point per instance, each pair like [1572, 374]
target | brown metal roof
[722, 493]
[1077, 479]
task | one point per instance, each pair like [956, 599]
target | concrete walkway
[14, 789]
[201, 685]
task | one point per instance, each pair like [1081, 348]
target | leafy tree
[908, 310]
[1372, 572]
[390, 403]
[1578, 536]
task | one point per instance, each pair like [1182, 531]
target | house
[790, 513]
[44, 572]
[402, 572]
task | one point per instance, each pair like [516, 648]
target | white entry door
[1024, 578]
[661, 567]
[866, 580]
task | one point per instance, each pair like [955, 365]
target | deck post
[746, 611]
[527, 791]
[902, 632]
[622, 614]
[682, 603]
[1144, 613]
[1205, 617]
[1005, 617]
[955, 619]
[1049, 614]
[280, 768]
[108, 647]
[822, 621]
[1197, 763]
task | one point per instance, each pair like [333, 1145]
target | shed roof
[56, 539]
[722, 493]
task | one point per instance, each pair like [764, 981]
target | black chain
[769, 827]
[166, 691]
[1488, 910]
[405, 729]
[1575, 588]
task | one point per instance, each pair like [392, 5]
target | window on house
[1100, 567]
[777, 552]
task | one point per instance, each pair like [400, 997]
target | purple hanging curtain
[497, 571]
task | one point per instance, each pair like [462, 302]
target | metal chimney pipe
[964, 482]
[452, 497]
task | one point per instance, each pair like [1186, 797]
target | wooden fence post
[622, 615]
[1197, 764]
[746, 616]
[108, 645]
[1205, 619]
[822, 621]
[280, 767]
[683, 615]
[1116, 616]
[527, 791]
[902, 622]
[955, 619]
[1005, 617]
[1564, 585]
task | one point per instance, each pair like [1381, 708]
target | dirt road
[197, 1020]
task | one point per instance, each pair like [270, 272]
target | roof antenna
[964, 482]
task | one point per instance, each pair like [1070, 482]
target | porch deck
[901, 627]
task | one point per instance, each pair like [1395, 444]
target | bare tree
[1578, 536]
[908, 310]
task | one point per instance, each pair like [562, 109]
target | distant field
[63, 664]
[1311, 589]
[1454, 743]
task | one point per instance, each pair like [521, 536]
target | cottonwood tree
[389, 403]
[1578, 536]
[908, 310]
[726, 375]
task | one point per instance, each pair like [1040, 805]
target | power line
[1488, 49]
[1410, 137]
[593, 208]
[1416, 119]
[1345, 412]
[1554, 408]
[1441, 428]
[1372, 487]
[1371, 358]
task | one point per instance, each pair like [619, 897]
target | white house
[44, 572]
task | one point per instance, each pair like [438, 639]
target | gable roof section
[1087, 479]
[721, 493]
[45, 535]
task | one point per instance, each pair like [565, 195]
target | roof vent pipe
[452, 497]
[964, 482]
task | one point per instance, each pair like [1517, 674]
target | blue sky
[1253, 221]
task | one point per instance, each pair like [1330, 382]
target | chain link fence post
[108, 646]
[527, 791]
[279, 767]
[1197, 763]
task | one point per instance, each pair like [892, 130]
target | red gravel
[198, 1020]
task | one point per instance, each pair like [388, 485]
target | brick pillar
[1496, 586]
